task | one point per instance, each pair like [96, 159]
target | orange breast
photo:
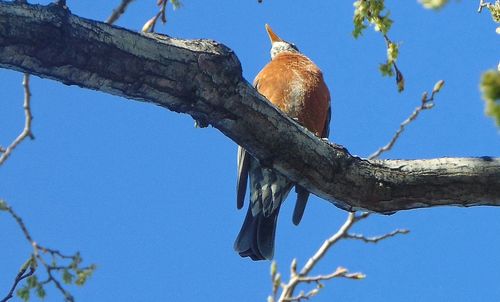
[295, 84]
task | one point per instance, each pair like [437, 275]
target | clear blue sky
[151, 200]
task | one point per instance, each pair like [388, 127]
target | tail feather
[268, 190]
[256, 237]
[300, 205]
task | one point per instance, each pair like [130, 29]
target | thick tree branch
[204, 79]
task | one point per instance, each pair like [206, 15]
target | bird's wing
[326, 129]
[241, 183]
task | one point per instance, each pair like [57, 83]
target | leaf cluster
[490, 87]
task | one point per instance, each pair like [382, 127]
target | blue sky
[151, 200]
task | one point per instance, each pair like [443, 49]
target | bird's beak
[272, 36]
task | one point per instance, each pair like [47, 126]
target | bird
[294, 84]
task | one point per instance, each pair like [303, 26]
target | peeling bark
[203, 78]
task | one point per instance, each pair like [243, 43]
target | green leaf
[24, 293]
[67, 277]
[176, 4]
[32, 281]
[490, 87]
[495, 11]
[40, 291]
[386, 69]
[83, 275]
[392, 52]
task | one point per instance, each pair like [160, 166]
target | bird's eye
[294, 46]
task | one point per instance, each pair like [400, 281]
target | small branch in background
[494, 9]
[482, 4]
[490, 89]
[351, 219]
[427, 103]
[339, 273]
[376, 239]
[70, 271]
[119, 11]
[149, 26]
[6, 152]
[23, 274]
[302, 277]
[296, 278]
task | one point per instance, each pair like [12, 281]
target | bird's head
[279, 45]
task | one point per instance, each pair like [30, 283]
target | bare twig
[351, 219]
[376, 238]
[427, 103]
[119, 11]
[295, 280]
[149, 26]
[302, 277]
[482, 4]
[340, 272]
[27, 123]
[343, 232]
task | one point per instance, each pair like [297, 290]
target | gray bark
[203, 78]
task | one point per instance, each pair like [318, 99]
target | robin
[293, 83]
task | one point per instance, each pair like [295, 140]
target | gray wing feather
[268, 190]
[241, 183]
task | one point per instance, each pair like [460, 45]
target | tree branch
[119, 11]
[427, 103]
[5, 153]
[203, 78]
[21, 275]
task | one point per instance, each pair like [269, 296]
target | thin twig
[149, 26]
[482, 4]
[376, 238]
[289, 288]
[27, 123]
[302, 277]
[343, 232]
[327, 244]
[427, 103]
[67, 296]
[339, 273]
[20, 276]
[119, 11]
[19, 221]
